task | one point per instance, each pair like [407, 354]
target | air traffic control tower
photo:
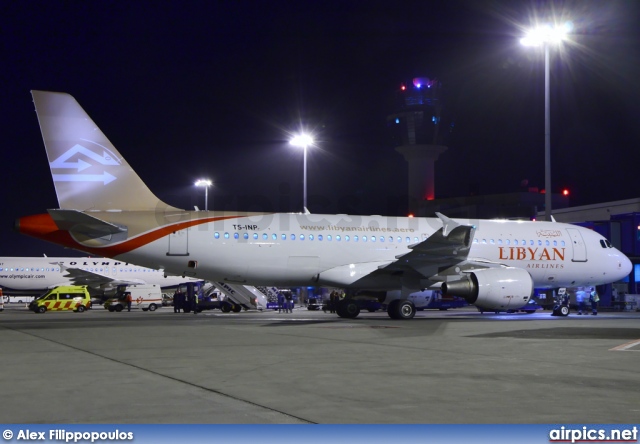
[415, 127]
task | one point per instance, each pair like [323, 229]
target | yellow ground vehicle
[65, 297]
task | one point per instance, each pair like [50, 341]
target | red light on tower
[402, 87]
[565, 192]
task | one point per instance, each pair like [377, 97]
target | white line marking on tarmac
[627, 346]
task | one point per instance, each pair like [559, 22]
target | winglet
[447, 224]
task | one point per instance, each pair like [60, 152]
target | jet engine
[493, 288]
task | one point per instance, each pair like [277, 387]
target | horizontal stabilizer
[78, 223]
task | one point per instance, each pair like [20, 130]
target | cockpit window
[604, 243]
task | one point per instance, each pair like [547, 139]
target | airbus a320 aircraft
[41, 273]
[106, 209]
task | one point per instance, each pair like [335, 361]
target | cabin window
[226, 235]
[319, 237]
[311, 237]
[302, 237]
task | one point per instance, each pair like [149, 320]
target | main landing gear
[398, 309]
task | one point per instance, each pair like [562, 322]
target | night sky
[214, 89]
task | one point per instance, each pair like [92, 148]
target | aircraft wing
[439, 255]
[446, 247]
[79, 276]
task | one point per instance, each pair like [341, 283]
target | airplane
[106, 209]
[29, 274]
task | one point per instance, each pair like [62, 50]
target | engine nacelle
[493, 288]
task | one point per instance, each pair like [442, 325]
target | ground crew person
[128, 298]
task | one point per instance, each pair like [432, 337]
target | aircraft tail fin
[88, 171]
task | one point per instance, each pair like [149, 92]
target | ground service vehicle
[65, 297]
[146, 297]
[314, 304]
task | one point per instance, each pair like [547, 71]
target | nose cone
[624, 266]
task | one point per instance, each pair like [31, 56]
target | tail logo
[63, 162]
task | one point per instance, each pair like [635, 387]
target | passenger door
[179, 243]
[579, 248]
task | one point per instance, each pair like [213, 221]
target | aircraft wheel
[401, 309]
[41, 309]
[80, 309]
[153, 307]
[348, 309]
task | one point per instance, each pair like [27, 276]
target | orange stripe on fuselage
[43, 227]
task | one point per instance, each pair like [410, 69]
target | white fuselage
[41, 273]
[303, 249]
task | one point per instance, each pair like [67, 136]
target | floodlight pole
[545, 35]
[304, 177]
[547, 137]
[303, 141]
[206, 184]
